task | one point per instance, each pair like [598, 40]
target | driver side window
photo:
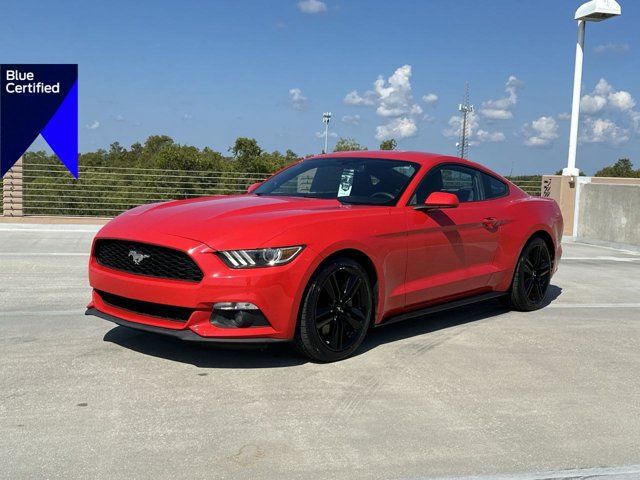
[462, 181]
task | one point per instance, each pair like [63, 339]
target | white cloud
[605, 96]
[94, 125]
[496, 113]
[351, 119]
[623, 101]
[602, 130]
[393, 99]
[612, 48]
[394, 96]
[186, 116]
[484, 136]
[564, 116]
[475, 134]
[501, 109]
[635, 120]
[541, 132]
[298, 101]
[595, 102]
[353, 98]
[430, 99]
[618, 105]
[331, 134]
[402, 127]
[592, 104]
[312, 6]
[119, 118]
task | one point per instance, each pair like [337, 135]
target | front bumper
[276, 291]
[186, 335]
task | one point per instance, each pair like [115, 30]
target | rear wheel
[336, 311]
[531, 278]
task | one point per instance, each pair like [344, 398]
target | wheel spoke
[537, 258]
[538, 288]
[332, 288]
[353, 321]
[528, 265]
[352, 287]
[528, 287]
[336, 336]
[528, 268]
[358, 313]
[324, 315]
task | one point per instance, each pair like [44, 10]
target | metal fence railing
[532, 187]
[49, 189]
[107, 191]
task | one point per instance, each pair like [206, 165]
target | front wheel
[531, 278]
[336, 311]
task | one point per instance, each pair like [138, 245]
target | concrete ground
[475, 391]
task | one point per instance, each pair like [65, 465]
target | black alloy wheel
[532, 276]
[336, 311]
[537, 273]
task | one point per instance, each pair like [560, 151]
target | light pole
[593, 11]
[326, 118]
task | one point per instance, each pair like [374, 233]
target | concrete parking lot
[475, 391]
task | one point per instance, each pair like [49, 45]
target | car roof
[423, 158]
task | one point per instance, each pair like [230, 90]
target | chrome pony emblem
[137, 257]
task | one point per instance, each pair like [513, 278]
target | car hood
[236, 221]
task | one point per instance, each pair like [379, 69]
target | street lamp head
[598, 10]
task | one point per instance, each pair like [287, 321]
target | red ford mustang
[326, 249]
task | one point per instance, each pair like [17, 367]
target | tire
[336, 311]
[531, 278]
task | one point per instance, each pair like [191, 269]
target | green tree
[582, 174]
[390, 144]
[245, 148]
[622, 168]
[246, 152]
[291, 156]
[348, 145]
[156, 142]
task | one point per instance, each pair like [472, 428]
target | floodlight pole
[326, 137]
[592, 11]
[571, 169]
[326, 118]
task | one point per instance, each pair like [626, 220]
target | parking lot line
[604, 259]
[593, 305]
[48, 313]
[45, 254]
[630, 472]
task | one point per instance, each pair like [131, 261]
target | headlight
[262, 257]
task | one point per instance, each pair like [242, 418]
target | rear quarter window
[493, 188]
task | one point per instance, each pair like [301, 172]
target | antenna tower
[465, 109]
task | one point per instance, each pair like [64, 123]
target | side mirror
[439, 200]
[253, 187]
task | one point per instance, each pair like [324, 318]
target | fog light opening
[237, 315]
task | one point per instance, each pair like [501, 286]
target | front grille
[158, 310]
[153, 261]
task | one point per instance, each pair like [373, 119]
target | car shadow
[442, 320]
[204, 355]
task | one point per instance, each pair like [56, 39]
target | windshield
[365, 181]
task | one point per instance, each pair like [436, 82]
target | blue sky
[207, 72]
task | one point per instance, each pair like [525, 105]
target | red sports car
[326, 249]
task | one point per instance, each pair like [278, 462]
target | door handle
[490, 223]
